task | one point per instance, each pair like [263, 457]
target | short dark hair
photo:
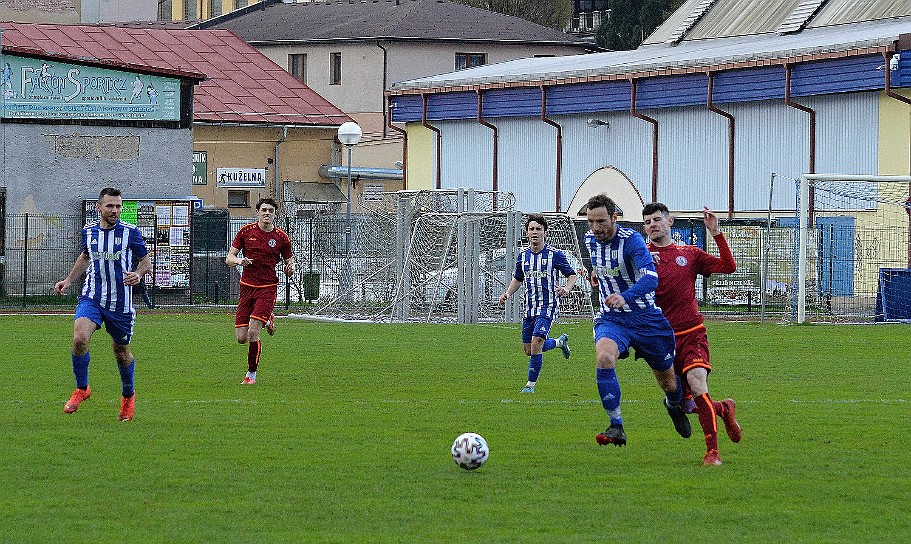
[649, 209]
[602, 201]
[537, 218]
[108, 191]
[267, 200]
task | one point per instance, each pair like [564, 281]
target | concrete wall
[49, 169]
[42, 11]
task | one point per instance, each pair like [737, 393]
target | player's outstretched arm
[79, 268]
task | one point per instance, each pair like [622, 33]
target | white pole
[804, 210]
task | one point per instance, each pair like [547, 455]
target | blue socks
[609, 391]
[126, 378]
[549, 344]
[673, 399]
[535, 362]
[81, 369]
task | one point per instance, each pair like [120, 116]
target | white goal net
[441, 256]
[853, 249]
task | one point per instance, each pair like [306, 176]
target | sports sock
[253, 356]
[549, 344]
[81, 369]
[609, 391]
[675, 397]
[126, 378]
[535, 362]
[706, 410]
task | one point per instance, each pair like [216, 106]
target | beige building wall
[421, 172]
[894, 127]
[300, 155]
[369, 68]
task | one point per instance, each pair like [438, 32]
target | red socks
[253, 356]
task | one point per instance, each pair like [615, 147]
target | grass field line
[565, 402]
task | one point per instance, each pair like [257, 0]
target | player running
[109, 248]
[263, 246]
[539, 268]
[678, 266]
[626, 278]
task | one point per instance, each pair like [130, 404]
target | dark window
[467, 60]
[164, 10]
[297, 65]
[238, 199]
[335, 68]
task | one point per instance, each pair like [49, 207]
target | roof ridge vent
[798, 19]
[698, 11]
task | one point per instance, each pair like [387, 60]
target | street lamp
[349, 134]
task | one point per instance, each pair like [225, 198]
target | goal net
[853, 249]
[457, 265]
[439, 256]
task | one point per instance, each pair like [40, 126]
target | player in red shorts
[263, 245]
[677, 267]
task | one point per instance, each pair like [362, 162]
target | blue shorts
[649, 334]
[118, 325]
[535, 326]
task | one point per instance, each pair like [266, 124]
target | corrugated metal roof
[742, 18]
[800, 16]
[663, 33]
[274, 21]
[242, 84]
[688, 55]
[729, 18]
[838, 12]
[699, 10]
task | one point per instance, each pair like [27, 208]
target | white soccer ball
[470, 451]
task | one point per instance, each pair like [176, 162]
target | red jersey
[678, 267]
[265, 249]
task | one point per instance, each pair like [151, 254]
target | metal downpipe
[404, 134]
[551, 122]
[812, 112]
[495, 140]
[654, 122]
[437, 184]
[731, 123]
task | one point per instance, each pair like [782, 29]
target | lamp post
[349, 134]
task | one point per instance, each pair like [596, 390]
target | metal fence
[38, 250]
[359, 269]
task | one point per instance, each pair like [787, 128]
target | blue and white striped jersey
[541, 274]
[626, 267]
[111, 253]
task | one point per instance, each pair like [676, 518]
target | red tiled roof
[241, 85]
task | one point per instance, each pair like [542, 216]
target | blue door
[835, 251]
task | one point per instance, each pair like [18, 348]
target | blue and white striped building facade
[781, 92]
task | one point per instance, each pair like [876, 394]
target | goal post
[850, 229]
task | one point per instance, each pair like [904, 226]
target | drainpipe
[385, 78]
[275, 161]
[801, 107]
[404, 134]
[495, 139]
[424, 122]
[654, 122]
[711, 107]
[887, 55]
[551, 122]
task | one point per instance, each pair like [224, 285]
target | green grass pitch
[346, 437]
